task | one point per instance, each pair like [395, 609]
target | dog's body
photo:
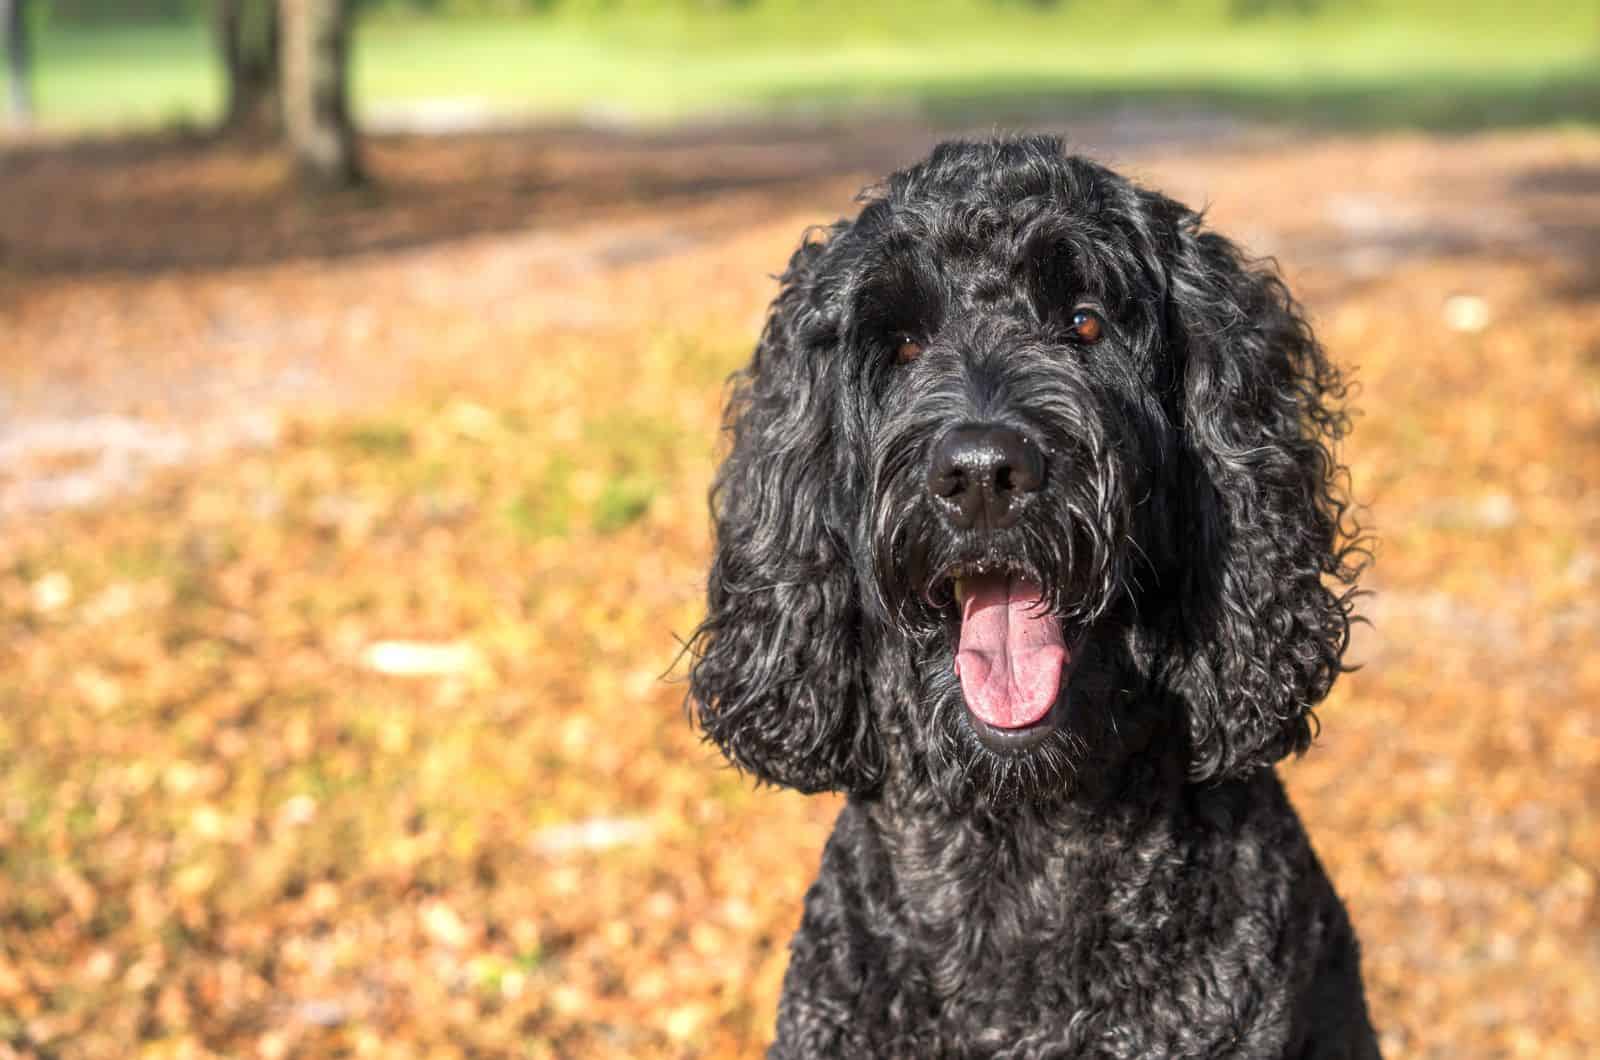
[1026, 542]
[1188, 924]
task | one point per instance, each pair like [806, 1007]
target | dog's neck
[1146, 794]
[975, 887]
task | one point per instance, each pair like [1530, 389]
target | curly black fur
[1136, 884]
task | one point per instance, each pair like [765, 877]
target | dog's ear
[1269, 567]
[777, 679]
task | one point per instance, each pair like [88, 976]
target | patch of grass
[1373, 62]
[544, 508]
[374, 439]
[623, 502]
[628, 451]
[628, 442]
[143, 561]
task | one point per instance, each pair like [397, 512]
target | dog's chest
[1062, 968]
[1084, 946]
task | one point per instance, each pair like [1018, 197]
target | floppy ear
[778, 676]
[1270, 569]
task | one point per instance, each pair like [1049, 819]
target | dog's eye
[907, 349]
[1087, 326]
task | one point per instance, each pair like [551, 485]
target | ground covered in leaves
[344, 547]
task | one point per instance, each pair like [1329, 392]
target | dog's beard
[1060, 574]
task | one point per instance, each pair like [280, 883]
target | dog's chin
[999, 768]
[1023, 739]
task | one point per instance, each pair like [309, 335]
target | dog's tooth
[961, 591]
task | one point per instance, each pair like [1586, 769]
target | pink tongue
[1011, 652]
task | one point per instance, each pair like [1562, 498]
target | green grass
[1359, 62]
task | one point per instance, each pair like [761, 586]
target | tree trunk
[247, 36]
[14, 23]
[315, 47]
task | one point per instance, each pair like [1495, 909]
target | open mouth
[1011, 655]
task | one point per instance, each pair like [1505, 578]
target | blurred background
[360, 376]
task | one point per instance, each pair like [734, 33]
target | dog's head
[1028, 469]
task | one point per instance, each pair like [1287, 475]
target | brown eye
[1087, 327]
[908, 350]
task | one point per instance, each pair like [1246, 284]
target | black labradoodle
[1031, 540]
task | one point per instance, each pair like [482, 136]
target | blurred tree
[14, 23]
[247, 35]
[315, 73]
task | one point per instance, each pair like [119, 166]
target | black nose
[981, 474]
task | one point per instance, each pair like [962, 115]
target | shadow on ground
[154, 204]
[184, 202]
[188, 202]
[1555, 198]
